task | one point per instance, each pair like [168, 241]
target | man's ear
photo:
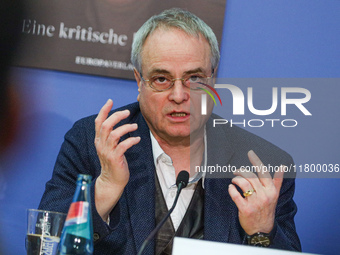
[137, 77]
[215, 75]
[138, 80]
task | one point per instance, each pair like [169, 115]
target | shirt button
[96, 236]
[173, 193]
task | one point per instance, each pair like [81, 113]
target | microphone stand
[180, 185]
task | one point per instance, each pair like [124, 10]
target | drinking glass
[43, 231]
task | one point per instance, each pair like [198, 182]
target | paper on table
[198, 247]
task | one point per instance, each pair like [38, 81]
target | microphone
[181, 182]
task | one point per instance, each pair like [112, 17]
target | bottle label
[78, 213]
[77, 222]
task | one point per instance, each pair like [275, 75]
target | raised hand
[114, 168]
[257, 208]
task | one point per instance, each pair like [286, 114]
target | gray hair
[174, 18]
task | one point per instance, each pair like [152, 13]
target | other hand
[256, 211]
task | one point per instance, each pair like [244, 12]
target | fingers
[263, 174]
[116, 134]
[261, 181]
[278, 178]
[243, 183]
[103, 113]
[108, 124]
[261, 169]
[107, 137]
[251, 178]
[104, 125]
[126, 144]
[236, 196]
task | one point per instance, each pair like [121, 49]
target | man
[139, 149]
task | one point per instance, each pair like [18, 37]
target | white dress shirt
[167, 180]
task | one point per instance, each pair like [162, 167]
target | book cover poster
[95, 37]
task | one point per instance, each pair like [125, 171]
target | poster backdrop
[95, 37]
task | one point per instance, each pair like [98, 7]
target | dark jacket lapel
[141, 187]
[219, 208]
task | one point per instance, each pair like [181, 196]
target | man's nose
[179, 92]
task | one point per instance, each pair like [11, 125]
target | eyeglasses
[163, 82]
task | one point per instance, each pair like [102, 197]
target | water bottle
[76, 237]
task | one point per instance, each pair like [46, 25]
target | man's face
[174, 114]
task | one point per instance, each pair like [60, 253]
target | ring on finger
[248, 193]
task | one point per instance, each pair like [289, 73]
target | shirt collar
[157, 151]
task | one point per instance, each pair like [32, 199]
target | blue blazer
[133, 218]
